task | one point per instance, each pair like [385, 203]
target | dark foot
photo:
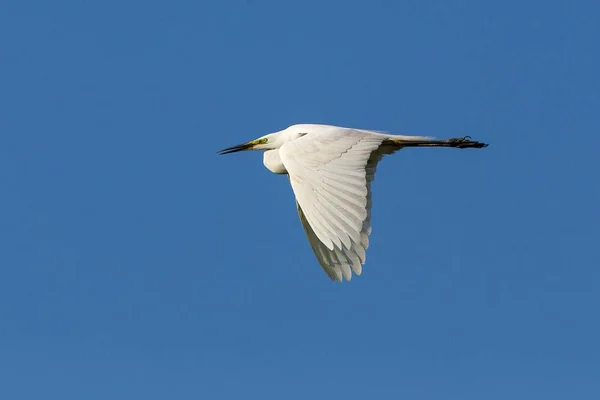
[465, 143]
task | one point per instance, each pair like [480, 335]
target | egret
[331, 169]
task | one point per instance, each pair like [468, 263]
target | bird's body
[331, 169]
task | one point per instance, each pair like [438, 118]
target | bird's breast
[273, 162]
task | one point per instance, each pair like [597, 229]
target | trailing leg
[459, 143]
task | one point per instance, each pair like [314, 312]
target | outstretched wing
[330, 173]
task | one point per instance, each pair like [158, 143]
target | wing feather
[331, 174]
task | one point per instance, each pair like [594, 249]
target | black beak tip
[234, 149]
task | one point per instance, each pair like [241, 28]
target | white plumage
[331, 169]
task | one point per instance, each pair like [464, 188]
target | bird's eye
[263, 141]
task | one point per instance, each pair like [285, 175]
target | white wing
[330, 172]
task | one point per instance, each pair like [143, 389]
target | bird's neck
[273, 162]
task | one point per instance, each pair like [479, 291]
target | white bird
[331, 169]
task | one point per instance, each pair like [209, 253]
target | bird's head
[267, 142]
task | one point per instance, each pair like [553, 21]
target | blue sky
[136, 263]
